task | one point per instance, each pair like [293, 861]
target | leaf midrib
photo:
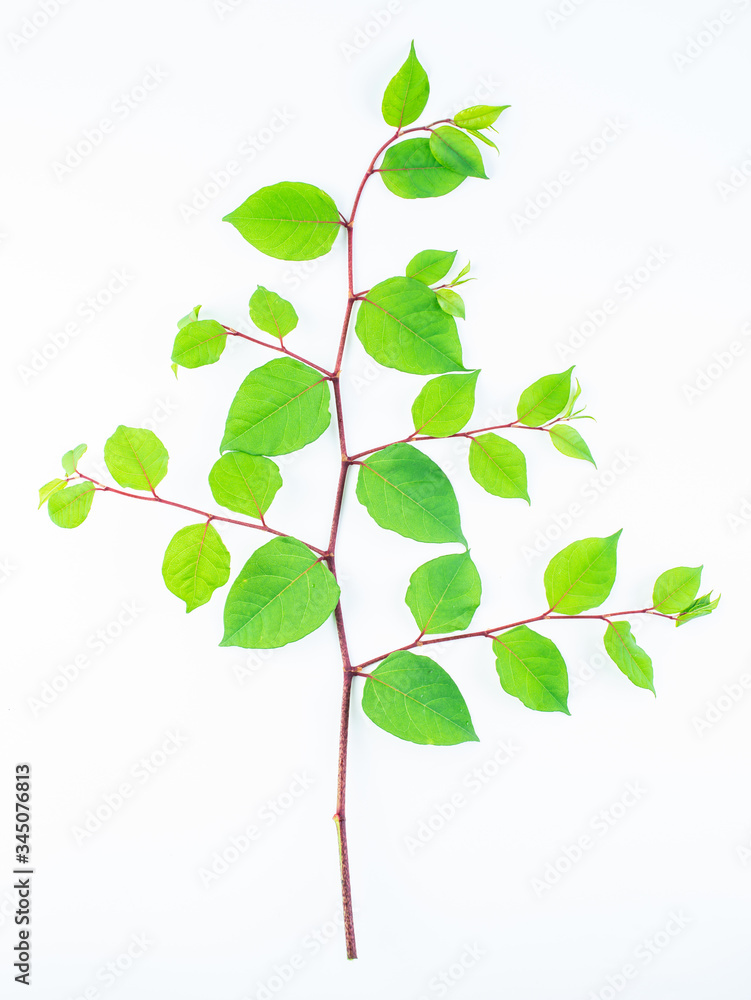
[409, 697]
[278, 409]
[586, 569]
[504, 474]
[275, 598]
[140, 463]
[410, 499]
[414, 333]
[543, 398]
[441, 408]
[627, 649]
[518, 658]
[441, 598]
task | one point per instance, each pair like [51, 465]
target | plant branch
[348, 671]
[489, 633]
[416, 436]
[280, 348]
[153, 498]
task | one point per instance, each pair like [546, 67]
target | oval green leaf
[450, 301]
[675, 589]
[271, 313]
[409, 170]
[195, 564]
[244, 483]
[136, 458]
[401, 325]
[444, 594]
[479, 116]
[412, 697]
[53, 486]
[531, 668]
[482, 138]
[71, 459]
[282, 593]
[569, 442]
[631, 659]
[582, 575]
[405, 491]
[544, 399]
[429, 266]
[69, 507]
[190, 317]
[407, 93]
[697, 609]
[280, 407]
[199, 343]
[289, 221]
[456, 151]
[445, 404]
[499, 467]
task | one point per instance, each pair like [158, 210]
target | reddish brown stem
[416, 436]
[280, 348]
[153, 498]
[489, 633]
[340, 817]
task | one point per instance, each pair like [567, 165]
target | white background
[248, 724]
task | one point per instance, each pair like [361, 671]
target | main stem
[340, 816]
[348, 671]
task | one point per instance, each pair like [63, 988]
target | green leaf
[282, 593]
[71, 459]
[456, 151]
[200, 343]
[465, 270]
[544, 399]
[244, 483]
[136, 458]
[289, 221]
[482, 138]
[195, 564]
[627, 656]
[280, 407]
[405, 491]
[431, 265]
[675, 589]
[68, 508]
[574, 394]
[271, 313]
[479, 116]
[401, 325]
[190, 317]
[412, 697]
[407, 93]
[532, 669]
[499, 467]
[409, 170]
[582, 575]
[53, 486]
[697, 609]
[445, 404]
[451, 302]
[570, 442]
[444, 594]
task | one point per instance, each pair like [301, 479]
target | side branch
[490, 633]
[262, 526]
[280, 348]
[416, 436]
